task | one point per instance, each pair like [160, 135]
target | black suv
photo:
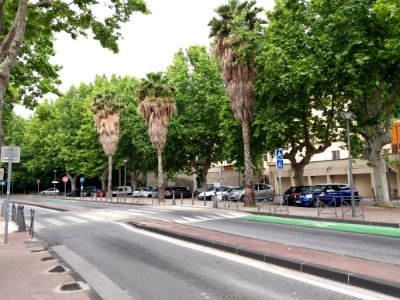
[185, 191]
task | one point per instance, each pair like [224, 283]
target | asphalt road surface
[120, 262]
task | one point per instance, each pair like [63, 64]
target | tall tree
[361, 42]
[297, 110]
[199, 94]
[157, 105]
[36, 24]
[106, 108]
[235, 31]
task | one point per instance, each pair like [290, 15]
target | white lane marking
[38, 225]
[215, 217]
[192, 220]
[92, 217]
[201, 218]
[75, 219]
[55, 221]
[226, 216]
[143, 211]
[180, 221]
[103, 285]
[237, 214]
[295, 275]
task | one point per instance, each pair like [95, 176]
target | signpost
[65, 180]
[38, 182]
[279, 167]
[10, 155]
[82, 180]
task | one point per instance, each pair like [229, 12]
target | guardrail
[326, 205]
[346, 206]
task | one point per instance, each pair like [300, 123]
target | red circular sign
[65, 179]
[38, 181]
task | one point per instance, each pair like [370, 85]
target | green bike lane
[357, 228]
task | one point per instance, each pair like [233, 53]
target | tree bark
[160, 178]
[378, 164]
[73, 179]
[9, 50]
[248, 172]
[109, 185]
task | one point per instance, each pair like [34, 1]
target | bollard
[173, 198]
[13, 212]
[16, 216]
[21, 218]
[31, 228]
[192, 198]
[181, 198]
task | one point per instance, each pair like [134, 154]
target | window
[335, 154]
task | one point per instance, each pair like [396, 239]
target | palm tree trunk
[248, 173]
[160, 176]
[109, 185]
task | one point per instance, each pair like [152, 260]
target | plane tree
[28, 31]
[296, 108]
[194, 136]
[361, 41]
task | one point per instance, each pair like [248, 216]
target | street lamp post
[125, 161]
[347, 115]
[55, 176]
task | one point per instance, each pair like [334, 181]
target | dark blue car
[327, 192]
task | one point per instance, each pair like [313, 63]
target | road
[97, 243]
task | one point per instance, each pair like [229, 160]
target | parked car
[262, 192]
[185, 191]
[74, 193]
[50, 192]
[122, 190]
[148, 192]
[222, 193]
[211, 191]
[136, 193]
[291, 194]
[326, 191]
[101, 193]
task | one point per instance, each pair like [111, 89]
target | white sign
[10, 154]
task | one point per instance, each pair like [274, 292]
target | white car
[50, 192]
[145, 192]
[211, 191]
[148, 193]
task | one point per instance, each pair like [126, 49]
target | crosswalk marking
[75, 219]
[55, 221]
[150, 212]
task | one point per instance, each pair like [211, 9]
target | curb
[358, 280]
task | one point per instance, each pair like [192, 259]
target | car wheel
[314, 203]
[149, 196]
[242, 198]
[271, 197]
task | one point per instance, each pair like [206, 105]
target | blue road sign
[279, 153]
[82, 179]
[279, 164]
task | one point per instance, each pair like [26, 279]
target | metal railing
[346, 206]
[326, 205]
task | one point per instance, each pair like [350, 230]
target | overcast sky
[149, 44]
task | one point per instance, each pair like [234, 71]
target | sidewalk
[30, 271]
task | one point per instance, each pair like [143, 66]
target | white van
[122, 190]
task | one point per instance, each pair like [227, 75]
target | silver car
[50, 192]
[262, 192]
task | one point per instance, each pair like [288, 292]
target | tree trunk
[381, 189]
[160, 177]
[9, 50]
[298, 170]
[248, 172]
[73, 180]
[103, 180]
[109, 185]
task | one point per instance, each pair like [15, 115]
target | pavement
[30, 270]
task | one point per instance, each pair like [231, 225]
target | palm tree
[106, 108]
[157, 106]
[235, 23]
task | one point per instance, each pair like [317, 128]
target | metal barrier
[346, 206]
[326, 205]
[31, 227]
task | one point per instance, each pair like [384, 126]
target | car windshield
[318, 188]
[211, 188]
